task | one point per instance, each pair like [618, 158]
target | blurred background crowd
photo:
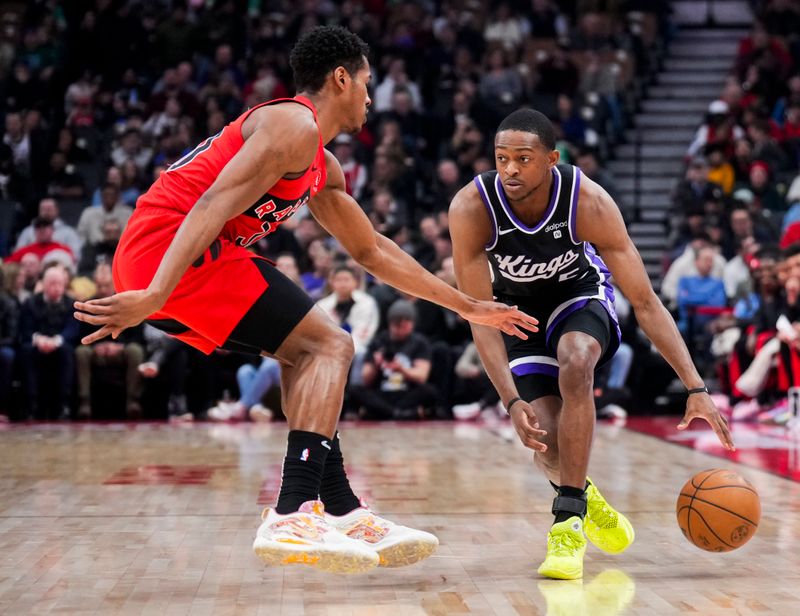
[98, 96]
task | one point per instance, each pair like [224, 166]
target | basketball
[718, 510]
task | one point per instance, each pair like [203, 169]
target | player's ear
[553, 157]
[340, 77]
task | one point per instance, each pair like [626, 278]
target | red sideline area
[769, 448]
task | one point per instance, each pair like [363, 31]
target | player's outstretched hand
[702, 406]
[527, 426]
[508, 319]
[115, 313]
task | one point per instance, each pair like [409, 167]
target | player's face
[523, 162]
[359, 99]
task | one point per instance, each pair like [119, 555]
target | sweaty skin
[524, 165]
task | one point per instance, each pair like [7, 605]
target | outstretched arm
[341, 216]
[470, 232]
[600, 223]
[286, 143]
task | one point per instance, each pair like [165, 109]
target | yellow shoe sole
[406, 553]
[330, 561]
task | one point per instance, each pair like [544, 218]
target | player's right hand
[115, 313]
[527, 426]
[508, 319]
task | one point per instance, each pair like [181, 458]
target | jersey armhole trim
[485, 199]
[573, 205]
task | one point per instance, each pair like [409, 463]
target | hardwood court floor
[159, 519]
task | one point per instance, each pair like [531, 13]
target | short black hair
[321, 50]
[531, 121]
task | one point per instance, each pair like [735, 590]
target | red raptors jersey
[185, 181]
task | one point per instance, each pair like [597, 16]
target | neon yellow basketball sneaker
[605, 527]
[566, 546]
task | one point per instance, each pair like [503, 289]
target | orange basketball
[718, 510]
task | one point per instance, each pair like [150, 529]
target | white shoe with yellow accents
[306, 538]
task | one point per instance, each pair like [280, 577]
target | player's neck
[533, 207]
[327, 121]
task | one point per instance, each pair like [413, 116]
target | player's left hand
[508, 319]
[702, 406]
[116, 313]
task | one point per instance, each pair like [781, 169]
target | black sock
[305, 458]
[580, 493]
[555, 487]
[335, 491]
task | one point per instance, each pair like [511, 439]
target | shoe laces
[564, 543]
[368, 528]
[599, 511]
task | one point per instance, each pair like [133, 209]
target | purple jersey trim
[556, 189]
[573, 206]
[490, 209]
[535, 368]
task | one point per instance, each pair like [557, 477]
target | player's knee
[548, 459]
[338, 345]
[577, 369]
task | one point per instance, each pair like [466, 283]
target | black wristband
[697, 390]
[510, 403]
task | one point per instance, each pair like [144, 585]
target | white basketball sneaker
[306, 538]
[396, 546]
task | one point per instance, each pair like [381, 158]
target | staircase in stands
[648, 166]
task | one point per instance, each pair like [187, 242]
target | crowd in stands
[731, 269]
[100, 96]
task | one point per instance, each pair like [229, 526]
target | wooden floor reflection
[159, 519]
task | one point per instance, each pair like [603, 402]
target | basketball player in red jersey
[183, 265]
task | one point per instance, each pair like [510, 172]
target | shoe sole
[560, 575]
[330, 561]
[406, 553]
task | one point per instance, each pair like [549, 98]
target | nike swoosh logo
[326, 444]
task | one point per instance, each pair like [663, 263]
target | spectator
[49, 334]
[354, 310]
[123, 352]
[396, 370]
[700, 299]
[90, 225]
[29, 274]
[685, 266]
[737, 276]
[765, 149]
[18, 140]
[474, 385]
[573, 127]
[720, 171]
[396, 79]
[321, 261]
[590, 166]
[501, 86]
[506, 29]
[168, 357]
[63, 180]
[766, 197]
[720, 129]
[44, 247]
[131, 148]
[355, 174]
[62, 232]
[9, 328]
[695, 189]
[101, 252]
[742, 228]
[253, 383]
